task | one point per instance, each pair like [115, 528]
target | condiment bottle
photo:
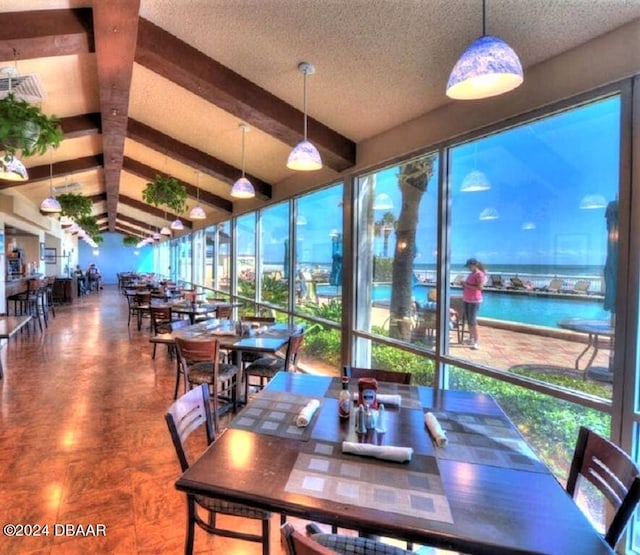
[344, 400]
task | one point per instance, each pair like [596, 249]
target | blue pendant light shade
[12, 169]
[488, 67]
[177, 224]
[305, 156]
[243, 188]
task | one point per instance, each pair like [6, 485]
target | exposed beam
[158, 212]
[60, 169]
[81, 125]
[149, 173]
[116, 30]
[190, 156]
[100, 197]
[181, 63]
[45, 33]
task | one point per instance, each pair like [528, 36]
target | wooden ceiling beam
[158, 212]
[116, 31]
[147, 172]
[177, 61]
[81, 125]
[193, 157]
[60, 169]
[45, 33]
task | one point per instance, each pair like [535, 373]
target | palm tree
[383, 227]
[412, 181]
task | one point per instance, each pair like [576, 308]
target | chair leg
[153, 355]
[191, 524]
[175, 392]
[265, 537]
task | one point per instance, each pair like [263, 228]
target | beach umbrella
[335, 276]
[611, 263]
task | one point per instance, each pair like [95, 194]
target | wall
[113, 257]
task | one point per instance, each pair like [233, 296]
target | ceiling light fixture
[382, 201]
[489, 214]
[475, 181]
[177, 225]
[12, 169]
[243, 188]
[592, 202]
[50, 205]
[305, 156]
[197, 212]
[488, 67]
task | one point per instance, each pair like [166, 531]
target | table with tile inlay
[486, 494]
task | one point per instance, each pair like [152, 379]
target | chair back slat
[224, 312]
[293, 347]
[186, 415]
[378, 374]
[296, 543]
[612, 472]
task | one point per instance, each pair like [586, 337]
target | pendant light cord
[244, 132]
[304, 104]
[484, 18]
[50, 173]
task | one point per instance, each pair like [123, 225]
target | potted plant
[25, 127]
[75, 206]
[166, 191]
[90, 225]
[130, 241]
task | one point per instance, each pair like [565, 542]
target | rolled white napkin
[388, 400]
[306, 413]
[386, 452]
[436, 431]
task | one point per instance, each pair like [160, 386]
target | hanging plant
[166, 191]
[130, 241]
[75, 206]
[25, 127]
[90, 225]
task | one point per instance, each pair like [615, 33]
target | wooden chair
[248, 358]
[268, 366]
[612, 472]
[224, 312]
[456, 303]
[186, 415]
[319, 543]
[380, 375]
[199, 361]
[161, 328]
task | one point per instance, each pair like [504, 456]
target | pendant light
[12, 169]
[382, 201]
[50, 205]
[488, 67]
[197, 212]
[177, 225]
[243, 188]
[165, 230]
[305, 156]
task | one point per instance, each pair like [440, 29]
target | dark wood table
[512, 506]
[9, 325]
[194, 309]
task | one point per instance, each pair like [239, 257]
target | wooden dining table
[266, 339]
[485, 492]
[194, 309]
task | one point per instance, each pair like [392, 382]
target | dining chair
[224, 312]
[456, 304]
[315, 542]
[380, 375]
[199, 361]
[249, 357]
[188, 414]
[612, 472]
[161, 328]
[266, 367]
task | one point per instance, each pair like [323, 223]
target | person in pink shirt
[472, 297]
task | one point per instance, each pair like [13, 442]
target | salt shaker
[361, 420]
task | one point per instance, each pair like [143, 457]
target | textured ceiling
[173, 104]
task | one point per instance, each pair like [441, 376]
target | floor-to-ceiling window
[246, 255]
[275, 254]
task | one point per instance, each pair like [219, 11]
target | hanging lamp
[50, 205]
[243, 188]
[177, 225]
[305, 156]
[197, 212]
[488, 67]
[382, 201]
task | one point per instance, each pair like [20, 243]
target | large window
[246, 255]
[397, 254]
[536, 207]
[275, 253]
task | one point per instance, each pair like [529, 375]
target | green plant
[25, 127]
[75, 206]
[130, 241]
[91, 227]
[166, 191]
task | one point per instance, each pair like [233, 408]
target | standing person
[94, 277]
[472, 297]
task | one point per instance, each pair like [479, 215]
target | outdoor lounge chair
[555, 285]
[497, 281]
[517, 283]
[581, 287]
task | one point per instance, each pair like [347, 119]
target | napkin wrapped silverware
[388, 400]
[436, 431]
[306, 413]
[385, 452]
